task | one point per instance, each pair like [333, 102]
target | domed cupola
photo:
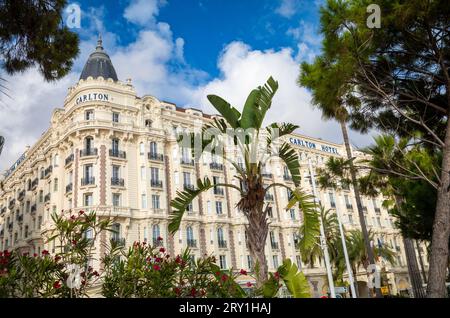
[99, 64]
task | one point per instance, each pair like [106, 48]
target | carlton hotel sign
[91, 97]
[312, 145]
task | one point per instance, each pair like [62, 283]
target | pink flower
[224, 277]
[156, 267]
[158, 259]
[249, 284]
[277, 275]
[159, 238]
[81, 212]
[45, 252]
[243, 272]
[162, 249]
[73, 217]
[57, 285]
[193, 292]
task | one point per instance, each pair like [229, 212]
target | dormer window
[148, 123]
[89, 114]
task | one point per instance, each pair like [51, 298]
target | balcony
[192, 243]
[267, 175]
[19, 218]
[287, 177]
[47, 172]
[47, 197]
[88, 152]
[117, 154]
[222, 244]
[87, 181]
[333, 204]
[268, 197]
[188, 187]
[12, 203]
[21, 195]
[349, 206]
[69, 159]
[187, 162]
[118, 241]
[34, 184]
[10, 226]
[156, 183]
[274, 245]
[216, 166]
[33, 209]
[218, 191]
[118, 182]
[155, 156]
[69, 187]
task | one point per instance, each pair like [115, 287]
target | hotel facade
[111, 151]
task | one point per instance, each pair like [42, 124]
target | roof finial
[99, 42]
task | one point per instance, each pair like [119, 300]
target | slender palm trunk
[362, 221]
[257, 231]
[422, 266]
[437, 272]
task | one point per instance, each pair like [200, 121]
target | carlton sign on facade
[92, 97]
[312, 145]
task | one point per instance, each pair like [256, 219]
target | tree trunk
[422, 266]
[437, 272]
[413, 268]
[257, 231]
[358, 202]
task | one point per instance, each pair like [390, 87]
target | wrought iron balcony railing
[188, 162]
[222, 244]
[69, 159]
[87, 181]
[69, 187]
[88, 152]
[155, 156]
[156, 183]
[191, 243]
[216, 166]
[117, 154]
[118, 182]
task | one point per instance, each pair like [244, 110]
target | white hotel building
[109, 150]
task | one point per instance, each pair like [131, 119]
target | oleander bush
[140, 271]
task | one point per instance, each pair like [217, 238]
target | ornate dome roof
[99, 64]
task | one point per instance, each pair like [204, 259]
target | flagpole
[344, 247]
[323, 241]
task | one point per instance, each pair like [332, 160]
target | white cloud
[287, 8]
[143, 12]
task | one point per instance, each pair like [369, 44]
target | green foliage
[145, 271]
[294, 280]
[33, 33]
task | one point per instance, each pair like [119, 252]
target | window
[115, 172]
[220, 235]
[332, 202]
[275, 261]
[155, 201]
[115, 117]
[208, 207]
[141, 148]
[223, 261]
[115, 146]
[55, 184]
[89, 114]
[299, 262]
[379, 222]
[219, 207]
[153, 148]
[187, 178]
[88, 143]
[56, 160]
[249, 262]
[115, 235]
[270, 212]
[142, 172]
[88, 171]
[116, 199]
[190, 236]
[148, 123]
[292, 212]
[87, 199]
[350, 219]
[143, 201]
[155, 233]
[154, 172]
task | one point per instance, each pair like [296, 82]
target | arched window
[155, 234]
[148, 123]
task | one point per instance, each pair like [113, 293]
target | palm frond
[290, 157]
[295, 280]
[230, 113]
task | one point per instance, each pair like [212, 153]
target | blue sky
[181, 51]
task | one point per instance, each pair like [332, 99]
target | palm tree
[358, 254]
[247, 132]
[387, 155]
[329, 85]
